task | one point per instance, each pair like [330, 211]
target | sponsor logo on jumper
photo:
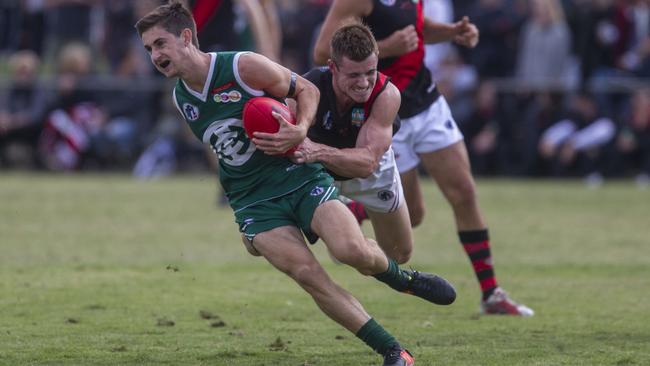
[226, 97]
[388, 2]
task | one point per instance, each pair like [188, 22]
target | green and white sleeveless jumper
[247, 174]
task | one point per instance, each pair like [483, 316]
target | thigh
[306, 201]
[284, 247]
[449, 167]
[335, 224]
[413, 195]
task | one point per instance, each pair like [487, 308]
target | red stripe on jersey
[404, 69]
[203, 11]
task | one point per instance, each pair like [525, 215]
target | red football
[257, 116]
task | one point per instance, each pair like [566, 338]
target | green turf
[104, 270]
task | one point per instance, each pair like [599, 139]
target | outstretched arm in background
[340, 12]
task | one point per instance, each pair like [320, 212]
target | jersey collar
[203, 96]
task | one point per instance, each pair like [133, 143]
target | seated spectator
[21, 112]
[74, 116]
[575, 145]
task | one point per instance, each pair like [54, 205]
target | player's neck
[197, 70]
[343, 102]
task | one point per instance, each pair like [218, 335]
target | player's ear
[331, 64]
[186, 35]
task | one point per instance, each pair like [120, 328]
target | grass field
[104, 270]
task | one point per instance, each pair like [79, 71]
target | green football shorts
[293, 209]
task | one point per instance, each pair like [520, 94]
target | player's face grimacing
[163, 48]
[355, 79]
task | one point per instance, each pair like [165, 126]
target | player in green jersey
[272, 198]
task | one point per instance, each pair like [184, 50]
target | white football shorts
[380, 192]
[431, 130]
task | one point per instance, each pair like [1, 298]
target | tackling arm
[373, 141]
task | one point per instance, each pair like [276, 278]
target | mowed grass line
[95, 269]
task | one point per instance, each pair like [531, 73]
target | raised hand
[467, 35]
[399, 43]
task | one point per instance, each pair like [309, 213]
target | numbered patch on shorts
[385, 195]
[317, 191]
[247, 222]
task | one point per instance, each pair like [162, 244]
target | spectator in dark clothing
[595, 36]
[632, 148]
[481, 130]
[495, 55]
[10, 19]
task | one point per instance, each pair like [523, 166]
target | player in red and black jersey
[354, 125]
[428, 132]
[351, 137]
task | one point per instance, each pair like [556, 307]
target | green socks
[375, 336]
[394, 277]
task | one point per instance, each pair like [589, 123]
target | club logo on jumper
[317, 191]
[388, 2]
[191, 112]
[358, 116]
[449, 125]
[385, 195]
[232, 96]
[327, 121]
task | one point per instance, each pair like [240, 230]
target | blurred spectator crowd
[556, 88]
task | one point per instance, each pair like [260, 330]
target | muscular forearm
[351, 163]
[306, 103]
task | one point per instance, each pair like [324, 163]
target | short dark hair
[173, 18]
[354, 41]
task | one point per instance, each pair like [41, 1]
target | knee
[462, 193]
[357, 254]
